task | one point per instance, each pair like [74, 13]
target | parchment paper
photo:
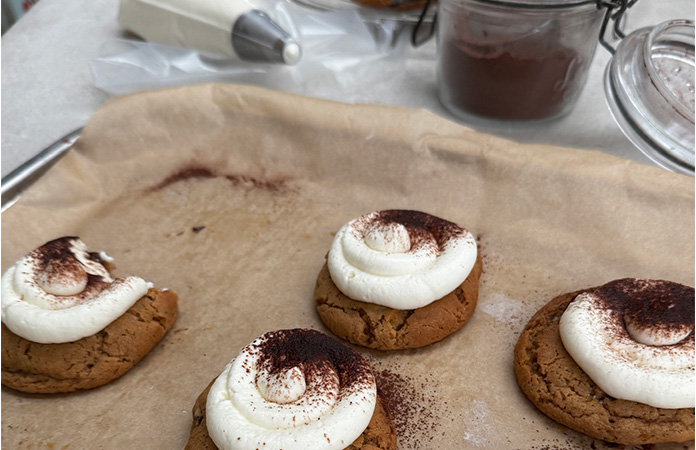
[230, 196]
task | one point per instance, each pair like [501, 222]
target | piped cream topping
[400, 259]
[291, 390]
[61, 293]
[635, 339]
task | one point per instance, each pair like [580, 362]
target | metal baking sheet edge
[25, 175]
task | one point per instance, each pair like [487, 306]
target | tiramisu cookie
[398, 279]
[292, 390]
[614, 362]
[68, 325]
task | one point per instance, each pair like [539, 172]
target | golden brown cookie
[558, 387]
[91, 361]
[384, 328]
[380, 434]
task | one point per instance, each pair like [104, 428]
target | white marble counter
[48, 91]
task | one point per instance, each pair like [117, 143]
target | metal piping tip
[256, 37]
[292, 53]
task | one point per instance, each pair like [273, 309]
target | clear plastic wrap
[335, 44]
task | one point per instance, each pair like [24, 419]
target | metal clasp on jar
[615, 10]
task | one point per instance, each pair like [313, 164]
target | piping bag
[234, 28]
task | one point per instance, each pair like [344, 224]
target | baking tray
[230, 196]
[25, 175]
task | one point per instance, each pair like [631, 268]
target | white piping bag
[234, 28]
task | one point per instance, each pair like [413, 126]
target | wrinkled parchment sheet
[230, 195]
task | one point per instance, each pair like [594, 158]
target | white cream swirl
[400, 259]
[635, 339]
[58, 293]
[291, 390]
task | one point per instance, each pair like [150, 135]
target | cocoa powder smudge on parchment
[275, 185]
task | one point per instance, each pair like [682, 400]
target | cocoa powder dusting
[56, 251]
[57, 260]
[414, 406]
[57, 255]
[312, 350]
[421, 226]
[481, 249]
[657, 304]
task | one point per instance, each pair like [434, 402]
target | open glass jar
[649, 85]
[514, 60]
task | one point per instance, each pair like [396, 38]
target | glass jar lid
[649, 86]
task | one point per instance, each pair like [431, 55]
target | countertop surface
[48, 89]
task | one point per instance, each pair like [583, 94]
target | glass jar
[649, 85]
[514, 60]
